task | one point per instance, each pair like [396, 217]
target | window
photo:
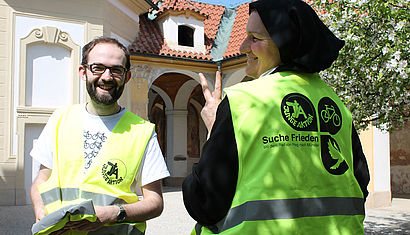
[185, 36]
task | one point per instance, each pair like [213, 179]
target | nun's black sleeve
[209, 190]
[361, 170]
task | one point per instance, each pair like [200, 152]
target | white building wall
[48, 80]
[381, 161]
[376, 147]
[23, 26]
[44, 88]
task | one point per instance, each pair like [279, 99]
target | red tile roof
[182, 5]
[151, 41]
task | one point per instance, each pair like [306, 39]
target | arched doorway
[175, 101]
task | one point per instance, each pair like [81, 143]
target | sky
[227, 3]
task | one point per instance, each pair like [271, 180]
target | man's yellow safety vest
[107, 182]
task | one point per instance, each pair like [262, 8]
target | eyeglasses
[115, 71]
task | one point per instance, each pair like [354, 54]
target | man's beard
[105, 99]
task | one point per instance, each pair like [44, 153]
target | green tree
[371, 74]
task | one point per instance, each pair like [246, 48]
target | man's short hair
[89, 46]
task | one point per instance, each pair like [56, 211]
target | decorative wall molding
[146, 71]
[50, 35]
[141, 71]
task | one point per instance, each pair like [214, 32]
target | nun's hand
[212, 100]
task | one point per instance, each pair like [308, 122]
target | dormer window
[183, 30]
[185, 36]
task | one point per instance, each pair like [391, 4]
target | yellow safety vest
[295, 159]
[108, 181]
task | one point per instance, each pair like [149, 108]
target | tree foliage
[371, 74]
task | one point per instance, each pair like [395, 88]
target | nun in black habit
[285, 39]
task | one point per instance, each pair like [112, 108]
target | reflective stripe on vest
[291, 209]
[71, 194]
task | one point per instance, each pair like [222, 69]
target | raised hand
[212, 100]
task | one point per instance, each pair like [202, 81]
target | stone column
[177, 146]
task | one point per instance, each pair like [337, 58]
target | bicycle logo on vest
[114, 171]
[298, 111]
[329, 114]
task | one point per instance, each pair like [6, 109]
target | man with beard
[96, 157]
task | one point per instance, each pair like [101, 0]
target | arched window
[185, 36]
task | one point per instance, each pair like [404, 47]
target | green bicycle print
[329, 114]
